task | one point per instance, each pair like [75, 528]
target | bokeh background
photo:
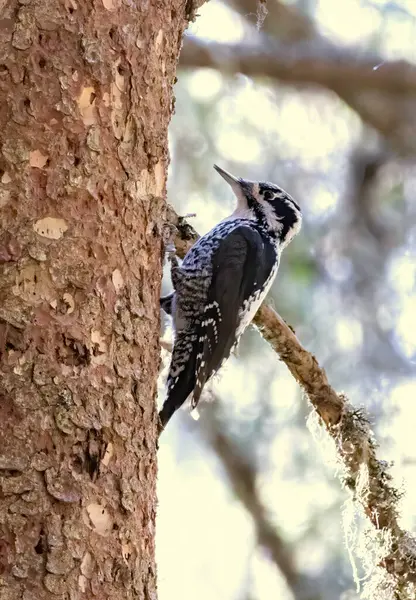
[345, 149]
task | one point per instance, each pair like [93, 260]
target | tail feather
[181, 379]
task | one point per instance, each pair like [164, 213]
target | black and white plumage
[221, 283]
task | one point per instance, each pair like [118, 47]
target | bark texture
[85, 102]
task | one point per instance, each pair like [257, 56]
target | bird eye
[267, 196]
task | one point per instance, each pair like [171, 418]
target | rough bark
[85, 101]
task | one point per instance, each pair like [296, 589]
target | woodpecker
[221, 283]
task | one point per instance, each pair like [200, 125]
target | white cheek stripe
[272, 220]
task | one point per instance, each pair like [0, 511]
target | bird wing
[238, 269]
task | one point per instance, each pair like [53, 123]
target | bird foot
[171, 254]
[170, 249]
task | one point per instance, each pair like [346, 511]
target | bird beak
[239, 186]
[234, 182]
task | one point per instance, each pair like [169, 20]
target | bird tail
[181, 378]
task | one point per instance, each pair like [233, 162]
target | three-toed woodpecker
[221, 283]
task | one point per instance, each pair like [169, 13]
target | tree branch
[348, 427]
[301, 64]
[391, 114]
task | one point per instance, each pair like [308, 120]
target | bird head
[266, 203]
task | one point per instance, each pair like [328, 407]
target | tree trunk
[85, 101]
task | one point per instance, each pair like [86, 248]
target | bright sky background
[204, 538]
